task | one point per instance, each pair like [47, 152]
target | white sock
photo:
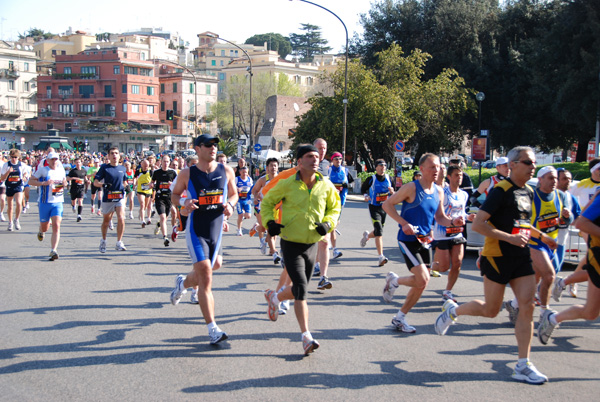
[514, 303]
[552, 319]
[307, 335]
[522, 362]
[400, 316]
[212, 326]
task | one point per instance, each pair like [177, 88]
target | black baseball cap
[205, 139]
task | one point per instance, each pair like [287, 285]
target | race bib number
[57, 188]
[425, 239]
[164, 186]
[338, 187]
[14, 179]
[453, 230]
[79, 181]
[210, 199]
[145, 186]
[243, 193]
[114, 195]
[381, 197]
[521, 227]
[548, 223]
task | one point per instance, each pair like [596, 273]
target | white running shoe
[239, 232]
[2, 217]
[110, 225]
[216, 336]
[10, 226]
[365, 238]
[573, 290]
[382, 260]
[336, 254]
[402, 326]
[529, 373]
[120, 246]
[447, 318]
[558, 289]
[513, 313]
[102, 246]
[194, 297]
[263, 246]
[276, 258]
[178, 291]
[389, 288]
[17, 225]
[545, 327]
[309, 345]
[130, 215]
[448, 295]
[157, 229]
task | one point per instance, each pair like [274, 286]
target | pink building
[109, 89]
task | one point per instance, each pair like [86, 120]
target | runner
[111, 176]
[129, 186]
[12, 174]
[310, 209]
[143, 176]
[77, 178]
[244, 185]
[2, 192]
[268, 240]
[505, 220]
[376, 190]
[588, 222]
[27, 187]
[450, 242]
[211, 186]
[341, 179]
[421, 203]
[486, 186]
[51, 181]
[162, 180]
[91, 173]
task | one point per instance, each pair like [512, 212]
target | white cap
[501, 160]
[52, 155]
[544, 170]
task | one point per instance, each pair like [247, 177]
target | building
[103, 90]
[280, 121]
[173, 40]
[70, 43]
[18, 100]
[190, 95]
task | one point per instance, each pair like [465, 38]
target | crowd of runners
[297, 211]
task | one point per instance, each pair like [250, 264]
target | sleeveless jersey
[143, 182]
[454, 206]
[493, 181]
[379, 190]
[15, 178]
[244, 187]
[545, 215]
[585, 190]
[420, 213]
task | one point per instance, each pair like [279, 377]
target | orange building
[108, 89]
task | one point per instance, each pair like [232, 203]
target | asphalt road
[94, 326]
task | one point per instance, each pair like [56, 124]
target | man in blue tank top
[212, 197]
[421, 204]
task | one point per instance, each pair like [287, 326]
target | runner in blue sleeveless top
[340, 178]
[211, 198]
[421, 203]
[244, 184]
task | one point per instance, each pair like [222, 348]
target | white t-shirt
[54, 192]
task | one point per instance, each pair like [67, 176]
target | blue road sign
[257, 147]
[399, 146]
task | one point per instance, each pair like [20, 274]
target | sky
[234, 20]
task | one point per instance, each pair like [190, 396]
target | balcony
[11, 73]
[9, 114]
[75, 76]
[68, 115]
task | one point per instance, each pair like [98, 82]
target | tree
[37, 34]
[274, 41]
[308, 44]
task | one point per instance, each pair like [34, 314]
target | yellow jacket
[301, 210]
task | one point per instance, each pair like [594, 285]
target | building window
[222, 52]
[87, 108]
[297, 79]
[124, 107]
[174, 87]
[221, 76]
[135, 89]
[124, 88]
[221, 63]
[88, 72]
[86, 91]
[11, 65]
[63, 52]
[149, 90]
[116, 70]
[162, 88]
[65, 90]
[150, 109]
[12, 105]
[207, 108]
[191, 88]
[175, 107]
[162, 106]
[11, 85]
[213, 63]
[26, 86]
[54, 53]
[26, 66]
[174, 124]
[124, 54]
[135, 108]
[208, 89]
[65, 108]
[309, 81]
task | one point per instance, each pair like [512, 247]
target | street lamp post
[249, 69]
[345, 101]
[480, 97]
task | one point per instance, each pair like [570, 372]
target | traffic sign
[399, 155]
[22, 140]
[398, 146]
[257, 147]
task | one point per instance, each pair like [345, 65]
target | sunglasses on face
[337, 159]
[210, 144]
[382, 164]
[526, 162]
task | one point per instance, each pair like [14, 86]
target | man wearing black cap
[212, 197]
[310, 209]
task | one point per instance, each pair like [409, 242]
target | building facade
[18, 76]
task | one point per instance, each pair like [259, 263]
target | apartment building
[18, 76]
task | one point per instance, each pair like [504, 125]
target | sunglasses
[527, 162]
[337, 159]
[382, 164]
[210, 144]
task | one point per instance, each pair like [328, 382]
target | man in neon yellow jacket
[310, 208]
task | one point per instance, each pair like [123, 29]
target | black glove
[322, 228]
[344, 185]
[274, 228]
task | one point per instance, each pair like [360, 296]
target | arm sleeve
[334, 207]
[350, 178]
[364, 189]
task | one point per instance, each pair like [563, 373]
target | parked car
[407, 160]
[489, 165]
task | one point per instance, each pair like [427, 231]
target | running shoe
[40, 236]
[153, 213]
[10, 226]
[24, 210]
[216, 336]
[120, 246]
[389, 288]
[309, 345]
[336, 254]
[263, 246]
[512, 312]
[102, 246]
[53, 256]
[194, 297]
[276, 257]
[573, 290]
[143, 224]
[285, 305]
[402, 326]
[253, 230]
[27, 206]
[79, 218]
[324, 283]
[74, 209]
[2, 217]
[536, 299]
[174, 234]
[317, 270]
[92, 210]
[447, 295]
[239, 232]
[273, 309]
[545, 327]
[178, 291]
[130, 215]
[365, 238]
[149, 222]
[434, 273]
[528, 373]
[99, 213]
[166, 241]
[157, 229]
[558, 288]
[282, 311]
[110, 225]
[447, 318]
[17, 224]
[382, 260]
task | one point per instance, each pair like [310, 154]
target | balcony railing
[75, 76]
[9, 73]
[62, 115]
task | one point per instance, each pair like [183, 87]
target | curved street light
[345, 101]
[249, 69]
